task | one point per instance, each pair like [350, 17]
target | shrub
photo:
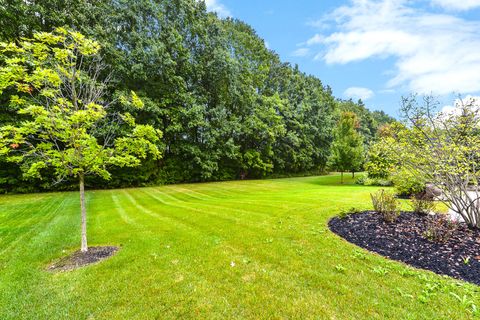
[384, 183]
[439, 228]
[378, 182]
[386, 205]
[361, 180]
[421, 205]
[407, 183]
[367, 181]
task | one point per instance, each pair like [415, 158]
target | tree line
[227, 105]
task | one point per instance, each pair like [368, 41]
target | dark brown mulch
[404, 241]
[80, 259]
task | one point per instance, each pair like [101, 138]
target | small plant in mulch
[386, 205]
[439, 228]
[420, 204]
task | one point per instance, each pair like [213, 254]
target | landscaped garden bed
[407, 240]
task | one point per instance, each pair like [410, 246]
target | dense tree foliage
[227, 105]
[380, 163]
[368, 122]
[347, 151]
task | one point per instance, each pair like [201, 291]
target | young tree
[53, 81]
[347, 152]
[444, 149]
[379, 163]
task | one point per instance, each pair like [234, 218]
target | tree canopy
[228, 106]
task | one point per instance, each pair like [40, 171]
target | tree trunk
[353, 174]
[83, 209]
[341, 181]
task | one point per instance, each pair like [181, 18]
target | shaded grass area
[227, 250]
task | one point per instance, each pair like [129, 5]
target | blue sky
[377, 50]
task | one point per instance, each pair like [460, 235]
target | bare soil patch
[80, 259]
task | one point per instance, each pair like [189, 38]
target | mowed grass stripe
[192, 193]
[24, 213]
[166, 219]
[241, 234]
[32, 226]
[203, 214]
[202, 223]
[196, 189]
[201, 220]
[127, 218]
[227, 251]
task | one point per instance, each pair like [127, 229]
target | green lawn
[229, 250]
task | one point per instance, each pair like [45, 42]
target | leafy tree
[347, 152]
[380, 163]
[368, 122]
[54, 85]
[443, 149]
[381, 118]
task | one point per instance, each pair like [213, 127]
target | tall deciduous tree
[54, 82]
[347, 152]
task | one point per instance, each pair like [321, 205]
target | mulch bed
[80, 259]
[404, 241]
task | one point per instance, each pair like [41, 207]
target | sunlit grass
[245, 249]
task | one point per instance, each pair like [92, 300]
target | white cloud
[219, 8]
[301, 52]
[319, 24]
[316, 39]
[457, 4]
[358, 93]
[433, 52]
